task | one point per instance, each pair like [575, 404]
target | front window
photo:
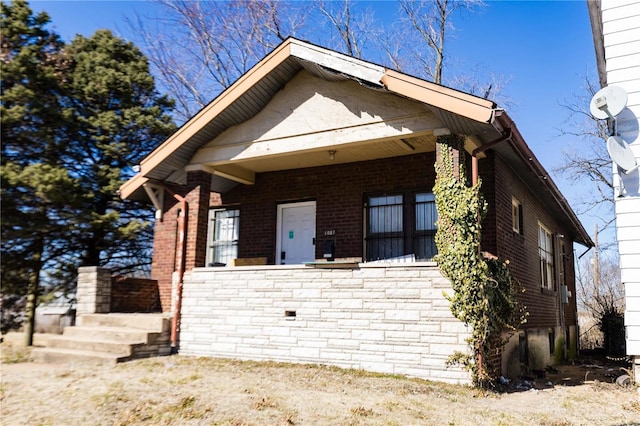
[547, 264]
[385, 227]
[224, 228]
[425, 232]
[401, 226]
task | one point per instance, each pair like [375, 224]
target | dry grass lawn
[195, 391]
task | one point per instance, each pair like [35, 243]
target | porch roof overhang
[454, 112]
[459, 112]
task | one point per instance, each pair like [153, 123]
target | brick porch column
[457, 143]
[198, 200]
[166, 248]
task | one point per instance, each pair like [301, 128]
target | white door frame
[279, 224]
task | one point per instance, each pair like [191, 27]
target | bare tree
[198, 48]
[588, 160]
[211, 44]
[355, 29]
[432, 21]
[600, 297]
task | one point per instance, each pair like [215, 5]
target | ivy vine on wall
[484, 291]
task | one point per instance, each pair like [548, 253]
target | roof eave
[595, 16]
[445, 98]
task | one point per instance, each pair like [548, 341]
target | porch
[381, 317]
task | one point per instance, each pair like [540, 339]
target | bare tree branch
[588, 160]
[355, 29]
[432, 21]
[199, 48]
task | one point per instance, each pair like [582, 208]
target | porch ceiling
[370, 150]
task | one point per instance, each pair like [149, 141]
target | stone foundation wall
[377, 317]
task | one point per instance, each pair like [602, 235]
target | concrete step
[74, 356]
[109, 338]
[152, 322]
[116, 347]
[112, 333]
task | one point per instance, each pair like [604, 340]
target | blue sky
[543, 47]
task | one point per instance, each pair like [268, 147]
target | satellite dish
[608, 102]
[621, 154]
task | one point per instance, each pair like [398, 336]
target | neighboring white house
[616, 33]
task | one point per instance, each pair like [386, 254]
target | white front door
[296, 233]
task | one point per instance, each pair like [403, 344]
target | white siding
[621, 29]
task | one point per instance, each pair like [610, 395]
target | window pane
[516, 215]
[385, 214]
[426, 216]
[223, 238]
[547, 261]
[425, 247]
[385, 227]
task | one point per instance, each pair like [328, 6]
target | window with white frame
[546, 254]
[516, 215]
[222, 240]
[401, 225]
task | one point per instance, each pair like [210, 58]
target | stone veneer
[93, 294]
[389, 318]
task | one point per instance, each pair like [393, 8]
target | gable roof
[459, 112]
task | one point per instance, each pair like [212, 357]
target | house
[295, 220]
[616, 35]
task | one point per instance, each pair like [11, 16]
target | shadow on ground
[590, 368]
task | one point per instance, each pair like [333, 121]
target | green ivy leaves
[484, 294]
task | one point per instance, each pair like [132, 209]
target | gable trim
[451, 100]
[208, 113]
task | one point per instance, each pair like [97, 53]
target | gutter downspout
[506, 134]
[177, 301]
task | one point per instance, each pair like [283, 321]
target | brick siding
[339, 193]
[134, 295]
[166, 239]
[500, 183]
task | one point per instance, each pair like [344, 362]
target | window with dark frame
[425, 226]
[224, 229]
[546, 254]
[399, 225]
[385, 227]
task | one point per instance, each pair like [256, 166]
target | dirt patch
[197, 391]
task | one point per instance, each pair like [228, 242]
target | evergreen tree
[75, 118]
[29, 171]
[118, 117]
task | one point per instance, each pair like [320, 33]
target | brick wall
[165, 243]
[501, 183]
[166, 247]
[134, 295]
[387, 319]
[339, 194]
